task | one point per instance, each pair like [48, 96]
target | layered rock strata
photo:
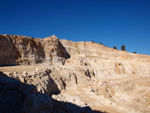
[106, 61]
[18, 50]
[21, 50]
[112, 74]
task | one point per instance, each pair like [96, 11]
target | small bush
[115, 47]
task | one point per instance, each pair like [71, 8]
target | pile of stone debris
[18, 97]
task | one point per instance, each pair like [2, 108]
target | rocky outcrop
[99, 59]
[68, 62]
[105, 61]
[16, 97]
[22, 50]
[44, 79]
[68, 107]
[70, 99]
[109, 73]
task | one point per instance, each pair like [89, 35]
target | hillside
[83, 73]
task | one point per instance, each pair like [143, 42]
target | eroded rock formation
[17, 50]
[17, 97]
[117, 77]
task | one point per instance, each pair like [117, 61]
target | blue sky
[111, 22]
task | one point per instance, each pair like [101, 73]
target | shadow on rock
[95, 111]
[63, 52]
[17, 97]
[66, 107]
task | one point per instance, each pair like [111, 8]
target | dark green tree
[92, 41]
[115, 47]
[134, 52]
[123, 48]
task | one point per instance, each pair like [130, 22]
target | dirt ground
[115, 96]
[96, 102]
[20, 69]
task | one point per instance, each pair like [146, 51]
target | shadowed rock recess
[60, 76]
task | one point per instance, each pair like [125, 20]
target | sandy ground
[96, 102]
[20, 69]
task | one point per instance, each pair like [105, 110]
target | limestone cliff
[91, 71]
[22, 50]
[107, 61]
[17, 50]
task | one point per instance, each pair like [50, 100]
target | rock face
[27, 50]
[107, 61]
[16, 97]
[119, 77]
[43, 79]
[18, 50]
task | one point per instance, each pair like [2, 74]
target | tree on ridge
[123, 48]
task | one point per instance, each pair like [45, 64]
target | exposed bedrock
[22, 50]
[17, 97]
[112, 74]
[98, 59]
